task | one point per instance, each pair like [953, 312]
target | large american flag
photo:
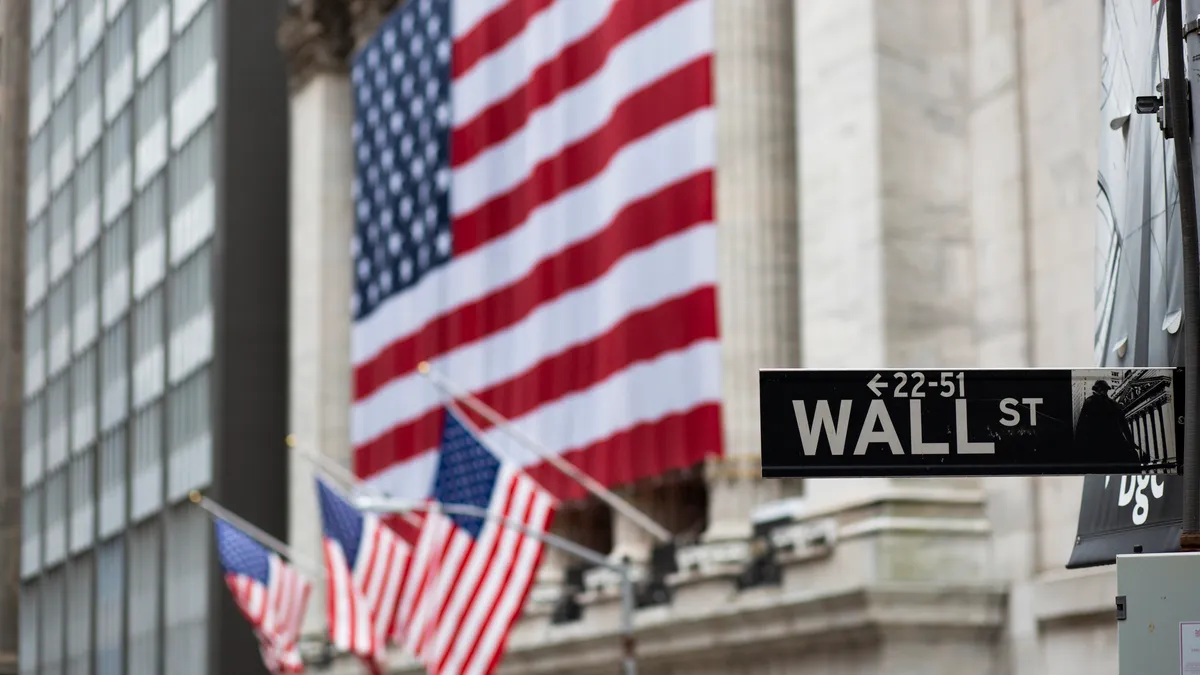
[365, 562]
[469, 577]
[269, 592]
[534, 216]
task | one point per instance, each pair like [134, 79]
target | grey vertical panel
[86, 281]
[33, 432]
[31, 532]
[62, 142]
[118, 55]
[88, 106]
[145, 570]
[79, 616]
[189, 434]
[113, 451]
[114, 294]
[28, 649]
[35, 350]
[110, 608]
[149, 354]
[58, 308]
[87, 202]
[64, 49]
[189, 536]
[57, 422]
[55, 545]
[147, 470]
[83, 500]
[114, 376]
[53, 615]
[190, 315]
[36, 253]
[83, 401]
[149, 239]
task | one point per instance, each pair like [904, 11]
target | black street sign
[968, 422]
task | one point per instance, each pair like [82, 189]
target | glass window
[154, 32]
[39, 86]
[149, 241]
[115, 271]
[118, 53]
[86, 279]
[110, 604]
[58, 309]
[53, 630]
[27, 650]
[61, 219]
[83, 401]
[185, 11]
[150, 117]
[147, 461]
[145, 579]
[64, 49]
[35, 351]
[148, 353]
[31, 532]
[88, 102]
[39, 174]
[31, 430]
[114, 376]
[83, 500]
[112, 482]
[191, 197]
[62, 141]
[189, 437]
[118, 169]
[186, 608]
[40, 20]
[79, 616]
[56, 518]
[87, 203]
[91, 26]
[57, 418]
[193, 77]
[190, 315]
[36, 251]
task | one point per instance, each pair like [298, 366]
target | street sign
[970, 422]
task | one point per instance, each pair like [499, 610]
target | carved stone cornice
[315, 36]
[367, 15]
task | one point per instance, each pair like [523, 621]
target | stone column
[757, 229]
[316, 38]
[14, 73]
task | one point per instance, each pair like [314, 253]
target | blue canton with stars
[341, 521]
[401, 82]
[240, 554]
[466, 472]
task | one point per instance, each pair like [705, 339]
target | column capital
[367, 15]
[733, 468]
[315, 36]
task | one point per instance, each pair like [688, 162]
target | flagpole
[557, 461]
[624, 569]
[217, 511]
[341, 473]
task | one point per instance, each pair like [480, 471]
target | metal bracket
[1190, 27]
[1121, 608]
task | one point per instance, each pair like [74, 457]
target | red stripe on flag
[639, 225]
[641, 336]
[493, 32]
[568, 69]
[686, 90]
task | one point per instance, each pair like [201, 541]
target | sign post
[970, 422]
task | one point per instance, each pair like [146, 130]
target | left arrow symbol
[876, 384]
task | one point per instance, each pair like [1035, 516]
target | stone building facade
[900, 183]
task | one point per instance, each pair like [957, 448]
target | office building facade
[155, 325]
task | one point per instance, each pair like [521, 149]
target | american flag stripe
[577, 294]
[350, 625]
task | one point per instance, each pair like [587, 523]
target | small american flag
[534, 217]
[470, 577]
[270, 593]
[364, 563]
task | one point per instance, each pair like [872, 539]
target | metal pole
[217, 511]
[1180, 116]
[570, 470]
[628, 641]
[340, 473]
